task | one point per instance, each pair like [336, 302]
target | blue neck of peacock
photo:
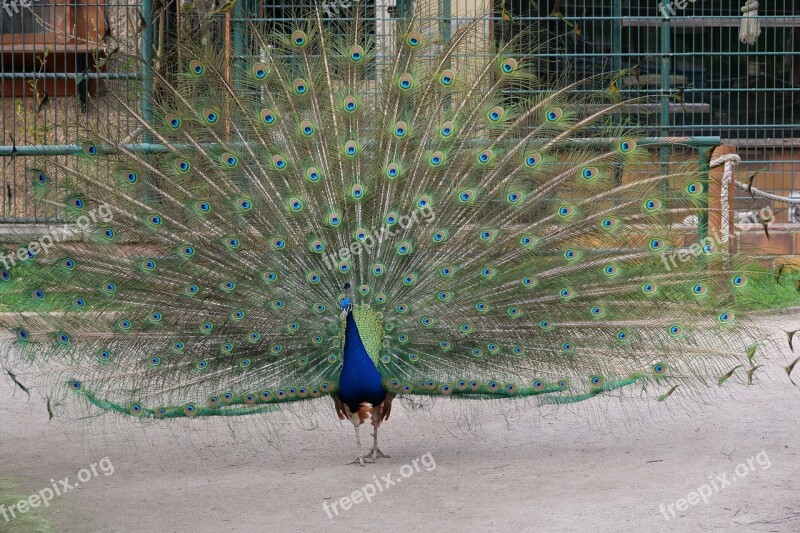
[360, 380]
[355, 354]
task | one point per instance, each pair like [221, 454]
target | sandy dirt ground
[731, 464]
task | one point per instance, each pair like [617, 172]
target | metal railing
[710, 87]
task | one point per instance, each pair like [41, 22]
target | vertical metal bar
[446, 21]
[616, 39]
[147, 59]
[666, 69]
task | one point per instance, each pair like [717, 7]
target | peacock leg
[360, 458]
[376, 453]
[377, 417]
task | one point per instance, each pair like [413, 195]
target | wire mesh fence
[57, 59]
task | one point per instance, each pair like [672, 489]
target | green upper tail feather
[503, 251]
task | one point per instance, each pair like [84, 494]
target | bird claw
[376, 454]
[357, 460]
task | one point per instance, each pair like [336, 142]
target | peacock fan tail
[484, 244]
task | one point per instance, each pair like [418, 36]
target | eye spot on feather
[596, 382]
[652, 205]
[649, 288]
[533, 160]
[259, 71]
[405, 81]
[627, 146]
[509, 65]
[414, 39]
[39, 177]
[447, 77]
[676, 331]
[699, 289]
[350, 104]
[739, 281]
[173, 121]
[725, 318]
[496, 114]
[660, 369]
[554, 115]
[356, 53]
[610, 270]
[485, 156]
[446, 130]
[392, 170]
[545, 325]
[436, 158]
[196, 67]
[182, 166]
[300, 86]
[90, 149]
[656, 244]
[268, 117]
[351, 148]
[211, 115]
[565, 211]
[299, 38]
[590, 173]
[695, 189]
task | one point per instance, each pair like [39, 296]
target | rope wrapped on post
[751, 28]
[731, 161]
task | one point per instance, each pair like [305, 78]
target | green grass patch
[32, 521]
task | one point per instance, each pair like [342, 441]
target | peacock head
[345, 303]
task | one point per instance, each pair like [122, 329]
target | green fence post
[147, 59]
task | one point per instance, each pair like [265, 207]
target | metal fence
[705, 83]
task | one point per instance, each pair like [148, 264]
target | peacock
[326, 213]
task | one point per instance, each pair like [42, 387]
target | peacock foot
[376, 454]
[357, 460]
